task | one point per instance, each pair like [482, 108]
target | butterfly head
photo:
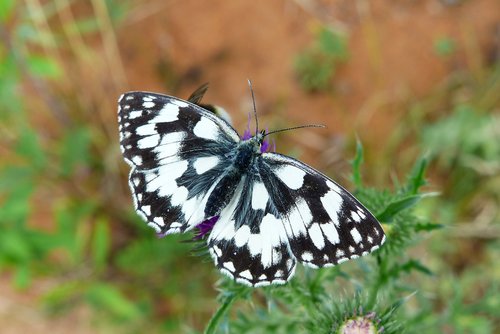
[258, 140]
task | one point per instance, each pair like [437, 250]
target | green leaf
[417, 176]
[75, 150]
[16, 205]
[223, 309]
[29, 147]
[22, 277]
[408, 267]
[70, 233]
[14, 248]
[44, 67]
[100, 244]
[332, 43]
[444, 46]
[107, 298]
[12, 177]
[395, 207]
[428, 227]
[356, 164]
[6, 9]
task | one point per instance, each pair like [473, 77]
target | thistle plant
[361, 296]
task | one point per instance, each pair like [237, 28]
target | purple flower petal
[247, 135]
[265, 146]
[205, 227]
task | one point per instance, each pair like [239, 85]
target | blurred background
[408, 78]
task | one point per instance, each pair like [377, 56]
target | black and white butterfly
[265, 211]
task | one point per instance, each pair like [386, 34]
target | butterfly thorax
[246, 152]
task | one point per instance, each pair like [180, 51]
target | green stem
[213, 324]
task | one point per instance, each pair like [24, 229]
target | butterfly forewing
[177, 151]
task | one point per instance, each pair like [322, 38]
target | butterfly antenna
[254, 107]
[297, 127]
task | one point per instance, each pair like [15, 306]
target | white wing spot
[304, 211]
[165, 181]
[331, 233]
[207, 129]
[203, 164]
[169, 113]
[217, 251]
[272, 232]
[136, 181]
[317, 236]
[307, 256]
[242, 235]
[276, 256]
[333, 186]
[172, 138]
[146, 130]
[148, 104]
[146, 209]
[179, 196]
[351, 249]
[149, 141]
[159, 221]
[332, 203]
[339, 253]
[229, 266]
[292, 176]
[137, 160]
[356, 236]
[260, 196]
[134, 114]
[299, 218]
[246, 274]
[168, 148]
[355, 216]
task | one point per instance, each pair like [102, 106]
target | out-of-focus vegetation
[316, 65]
[66, 217]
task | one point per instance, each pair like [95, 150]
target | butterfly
[261, 212]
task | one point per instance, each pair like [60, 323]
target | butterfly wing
[249, 243]
[284, 211]
[324, 223]
[177, 151]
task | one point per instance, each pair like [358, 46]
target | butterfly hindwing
[249, 242]
[324, 223]
[177, 150]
